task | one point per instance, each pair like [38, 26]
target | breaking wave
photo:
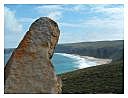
[79, 61]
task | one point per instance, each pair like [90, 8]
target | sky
[77, 23]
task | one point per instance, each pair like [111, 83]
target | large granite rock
[29, 69]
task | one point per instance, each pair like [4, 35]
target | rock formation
[29, 69]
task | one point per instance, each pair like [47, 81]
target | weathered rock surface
[29, 69]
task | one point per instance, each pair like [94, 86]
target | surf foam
[79, 61]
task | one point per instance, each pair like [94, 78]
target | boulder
[29, 69]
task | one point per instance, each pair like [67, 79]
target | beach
[85, 61]
[99, 61]
[88, 61]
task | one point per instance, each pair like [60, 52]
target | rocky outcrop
[29, 69]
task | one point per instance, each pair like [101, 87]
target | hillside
[102, 79]
[100, 49]
[99, 79]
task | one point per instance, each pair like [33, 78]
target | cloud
[96, 23]
[72, 25]
[110, 11]
[104, 17]
[85, 22]
[105, 23]
[12, 24]
[55, 15]
[50, 8]
[78, 8]
[12, 29]
[100, 20]
[56, 12]
[52, 11]
[26, 20]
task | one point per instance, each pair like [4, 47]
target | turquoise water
[62, 62]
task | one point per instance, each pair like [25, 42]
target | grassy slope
[99, 79]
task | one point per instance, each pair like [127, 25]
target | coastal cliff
[29, 69]
[100, 49]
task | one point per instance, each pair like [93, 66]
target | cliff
[29, 69]
[101, 49]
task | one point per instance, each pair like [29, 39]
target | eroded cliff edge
[29, 69]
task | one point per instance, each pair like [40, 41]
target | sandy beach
[98, 61]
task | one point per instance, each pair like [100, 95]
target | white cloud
[12, 24]
[74, 25]
[107, 19]
[92, 22]
[55, 15]
[13, 29]
[27, 20]
[95, 23]
[56, 11]
[49, 7]
[52, 11]
[110, 12]
[102, 22]
[78, 8]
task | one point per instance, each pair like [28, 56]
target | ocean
[62, 62]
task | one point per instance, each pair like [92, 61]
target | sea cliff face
[29, 69]
[101, 49]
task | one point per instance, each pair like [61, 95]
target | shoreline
[98, 61]
[86, 61]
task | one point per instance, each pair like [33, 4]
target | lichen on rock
[29, 69]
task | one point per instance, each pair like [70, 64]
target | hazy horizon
[69, 43]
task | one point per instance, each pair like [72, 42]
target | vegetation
[107, 78]
[101, 79]
[100, 49]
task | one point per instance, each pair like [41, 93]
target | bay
[62, 62]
